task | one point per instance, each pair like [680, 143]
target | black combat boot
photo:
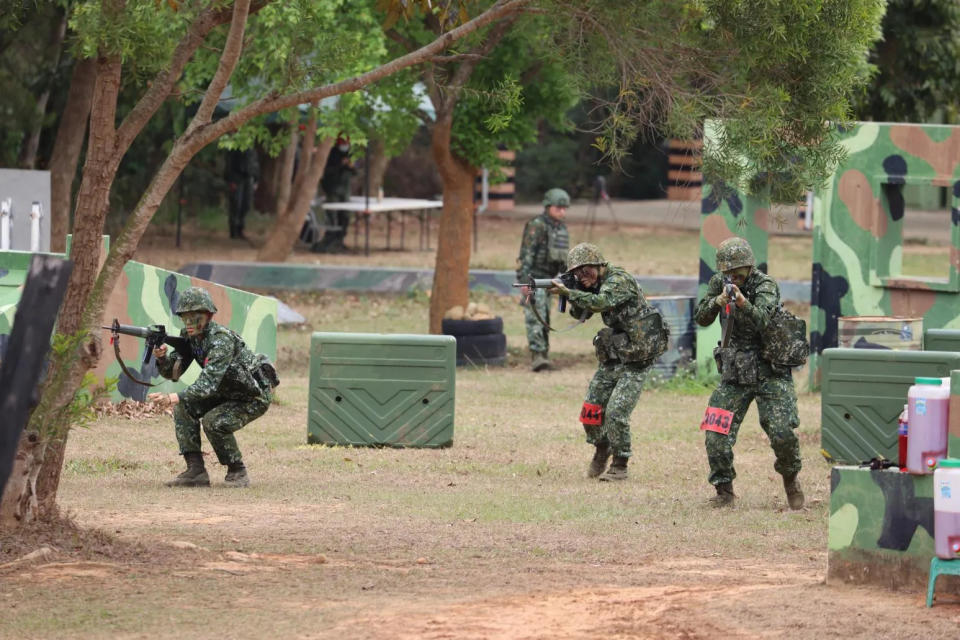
[617, 470]
[599, 463]
[236, 476]
[195, 475]
[539, 361]
[725, 496]
[794, 493]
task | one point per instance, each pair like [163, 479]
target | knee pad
[591, 414]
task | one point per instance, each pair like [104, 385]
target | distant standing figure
[242, 174]
[336, 187]
[543, 254]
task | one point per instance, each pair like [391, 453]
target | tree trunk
[279, 244]
[378, 164]
[451, 277]
[66, 150]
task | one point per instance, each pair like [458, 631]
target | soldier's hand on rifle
[172, 398]
[737, 296]
[558, 288]
[160, 352]
[722, 299]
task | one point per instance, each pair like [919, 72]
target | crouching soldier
[750, 370]
[634, 337]
[234, 388]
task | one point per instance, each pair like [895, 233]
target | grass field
[499, 536]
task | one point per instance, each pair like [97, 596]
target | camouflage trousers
[777, 405]
[220, 419]
[538, 336]
[615, 387]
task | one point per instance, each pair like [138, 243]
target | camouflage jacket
[763, 298]
[227, 364]
[543, 251]
[618, 300]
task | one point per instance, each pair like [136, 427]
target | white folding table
[361, 206]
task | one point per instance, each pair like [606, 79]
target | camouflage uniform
[616, 385]
[749, 376]
[543, 254]
[229, 393]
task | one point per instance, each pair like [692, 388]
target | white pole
[808, 219]
[36, 212]
[6, 216]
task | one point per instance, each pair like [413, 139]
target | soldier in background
[234, 388]
[543, 254]
[626, 348]
[242, 174]
[745, 375]
[336, 188]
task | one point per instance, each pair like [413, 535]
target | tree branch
[232, 49]
[205, 134]
[163, 83]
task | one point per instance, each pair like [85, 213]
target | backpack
[784, 341]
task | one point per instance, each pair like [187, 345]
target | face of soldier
[195, 321]
[587, 275]
[738, 276]
[557, 212]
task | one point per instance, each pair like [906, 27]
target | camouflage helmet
[556, 198]
[582, 254]
[733, 253]
[195, 299]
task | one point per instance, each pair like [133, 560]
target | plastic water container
[928, 404]
[946, 509]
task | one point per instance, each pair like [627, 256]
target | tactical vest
[558, 243]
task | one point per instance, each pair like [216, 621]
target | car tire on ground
[481, 349]
[471, 327]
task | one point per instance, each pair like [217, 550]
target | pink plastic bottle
[946, 509]
[927, 409]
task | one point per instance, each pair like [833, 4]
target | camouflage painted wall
[147, 295]
[857, 234]
[881, 528]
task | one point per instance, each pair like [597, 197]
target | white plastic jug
[928, 404]
[946, 509]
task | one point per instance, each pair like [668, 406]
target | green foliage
[776, 73]
[520, 84]
[917, 71]
[80, 412]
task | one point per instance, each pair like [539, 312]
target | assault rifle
[568, 279]
[154, 335]
[728, 325]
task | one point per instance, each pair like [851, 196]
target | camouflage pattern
[227, 394]
[881, 528]
[543, 250]
[556, 198]
[777, 406]
[755, 379]
[858, 232]
[195, 299]
[543, 254]
[584, 254]
[733, 253]
[616, 385]
[147, 295]
[538, 336]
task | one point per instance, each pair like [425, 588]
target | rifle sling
[123, 367]
[536, 314]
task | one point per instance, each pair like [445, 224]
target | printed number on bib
[719, 420]
[591, 414]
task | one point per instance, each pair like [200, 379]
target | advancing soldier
[633, 339]
[543, 254]
[234, 388]
[753, 297]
